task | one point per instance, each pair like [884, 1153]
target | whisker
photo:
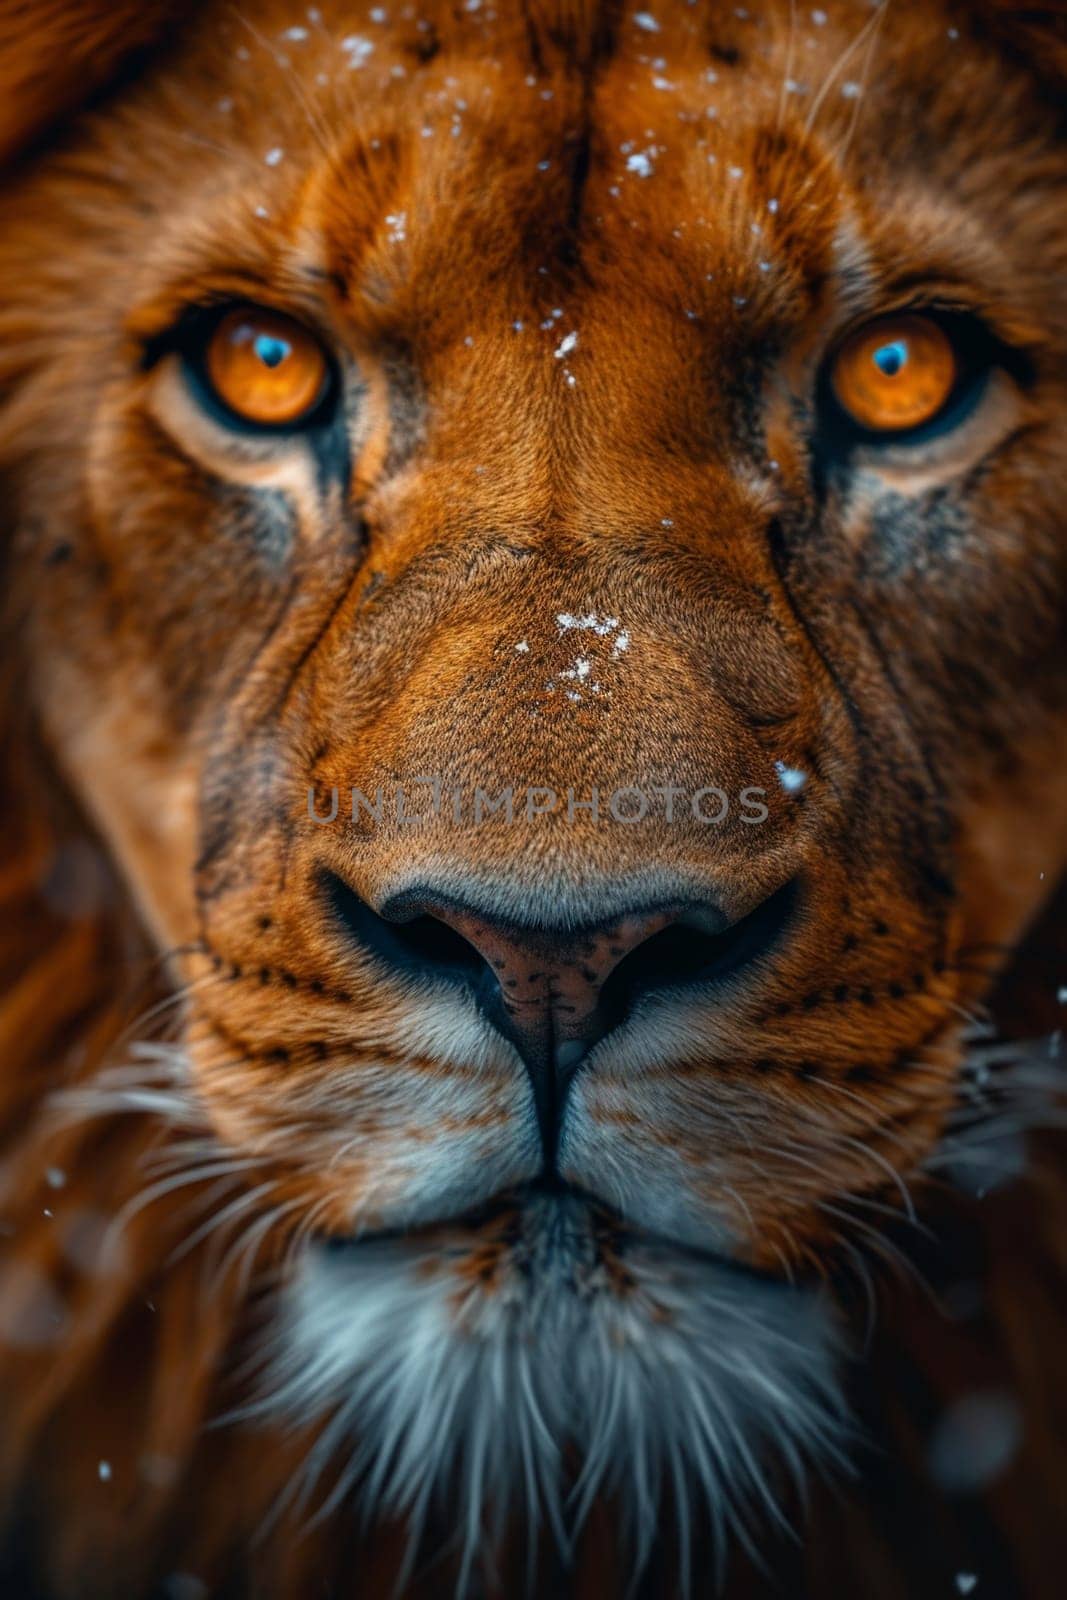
[872, 25]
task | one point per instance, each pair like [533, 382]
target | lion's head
[536, 546]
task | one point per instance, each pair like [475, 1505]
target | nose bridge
[584, 434]
[559, 725]
[549, 669]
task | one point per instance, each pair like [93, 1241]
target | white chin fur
[660, 1370]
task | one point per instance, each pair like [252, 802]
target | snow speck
[103, 1471]
[295, 35]
[224, 105]
[262, 213]
[357, 50]
[55, 1177]
[953, 33]
[662, 83]
[274, 157]
[568, 343]
[1061, 994]
[966, 1582]
[396, 226]
[522, 648]
[736, 172]
[851, 90]
[772, 207]
[378, 14]
[819, 18]
[646, 21]
[641, 162]
[589, 620]
[601, 627]
[666, 522]
[792, 779]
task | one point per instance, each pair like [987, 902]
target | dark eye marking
[273, 523]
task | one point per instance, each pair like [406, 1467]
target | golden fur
[197, 634]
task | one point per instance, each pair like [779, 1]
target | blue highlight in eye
[271, 351]
[892, 358]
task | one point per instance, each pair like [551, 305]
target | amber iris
[895, 374]
[266, 368]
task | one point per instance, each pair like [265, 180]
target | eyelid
[197, 317]
[1013, 348]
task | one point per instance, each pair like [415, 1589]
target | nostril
[696, 948]
[697, 945]
[422, 945]
[432, 943]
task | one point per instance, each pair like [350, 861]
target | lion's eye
[266, 368]
[895, 374]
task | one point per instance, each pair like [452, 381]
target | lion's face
[564, 478]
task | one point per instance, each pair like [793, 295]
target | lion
[535, 801]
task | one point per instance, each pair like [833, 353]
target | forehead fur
[705, 176]
[433, 167]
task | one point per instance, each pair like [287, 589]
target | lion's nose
[556, 991]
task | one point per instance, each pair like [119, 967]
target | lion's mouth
[547, 1231]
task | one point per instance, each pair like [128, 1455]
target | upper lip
[685, 945]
